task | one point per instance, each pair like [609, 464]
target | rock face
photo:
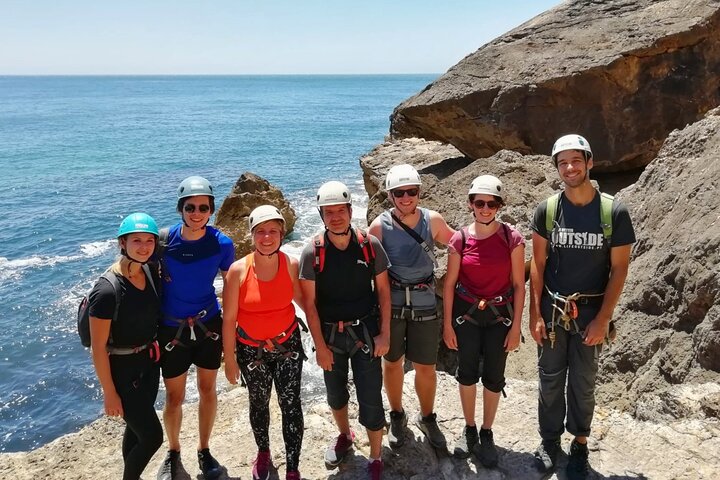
[620, 447]
[668, 363]
[250, 191]
[624, 73]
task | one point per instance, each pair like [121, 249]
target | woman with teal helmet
[124, 350]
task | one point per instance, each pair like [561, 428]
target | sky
[99, 37]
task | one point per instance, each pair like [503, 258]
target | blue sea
[79, 153]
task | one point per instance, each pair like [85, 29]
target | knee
[338, 400]
[395, 365]
[425, 371]
[206, 390]
[155, 440]
[174, 399]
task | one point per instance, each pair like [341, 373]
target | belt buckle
[294, 356]
[201, 314]
[214, 336]
[355, 323]
[366, 349]
[506, 321]
[460, 320]
[169, 346]
[252, 365]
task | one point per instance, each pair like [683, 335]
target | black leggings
[285, 373]
[136, 380]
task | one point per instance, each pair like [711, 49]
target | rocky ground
[621, 446]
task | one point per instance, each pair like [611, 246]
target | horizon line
[205, 74]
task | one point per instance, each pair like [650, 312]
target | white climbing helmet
[571, 142]
[402, 176]
[264, 213]
[486, 185]
[333, 193]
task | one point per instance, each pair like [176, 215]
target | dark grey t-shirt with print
[579, 257]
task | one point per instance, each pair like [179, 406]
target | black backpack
[83, 314]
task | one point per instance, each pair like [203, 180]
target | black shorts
[203, 352]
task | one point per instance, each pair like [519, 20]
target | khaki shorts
[417, 340]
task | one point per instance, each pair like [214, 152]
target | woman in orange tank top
[261, 340]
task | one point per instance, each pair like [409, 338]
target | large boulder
[624, 73]
[250, 191]
[668, 362]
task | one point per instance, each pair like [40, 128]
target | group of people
[370, 302]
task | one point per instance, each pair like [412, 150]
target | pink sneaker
[294, 475]
[261, 466]
[375, 469]
[337, 450]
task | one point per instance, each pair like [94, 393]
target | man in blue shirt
[192, 322]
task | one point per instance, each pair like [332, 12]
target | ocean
[79, 153]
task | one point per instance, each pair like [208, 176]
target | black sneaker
[396, 430]
[428, 425]
[546, 455]
[168, 469]
[485, 451]
[209, 467]
[578, 467]
[466, 444]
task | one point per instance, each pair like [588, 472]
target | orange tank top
[265, 309]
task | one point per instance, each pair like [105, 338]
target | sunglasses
[190, 208]
[412, 192]
[492, 204]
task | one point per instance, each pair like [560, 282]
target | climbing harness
[565, 311]
[153, 349]
[274, 344]
[478, 303]
[407, 311]
[365, 345]
[191, 322]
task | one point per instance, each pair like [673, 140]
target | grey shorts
[417, 340]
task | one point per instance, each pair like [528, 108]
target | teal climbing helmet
[138, 223]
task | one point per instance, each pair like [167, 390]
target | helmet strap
[484, 223]
[124, 253]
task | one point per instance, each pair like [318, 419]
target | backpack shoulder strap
[150, 279]
[115, 284]
[464, 240]
[319, 262]
[606, 204]
[162, 241]
[551, 212]
[366, 246]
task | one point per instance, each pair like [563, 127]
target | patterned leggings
[285, 373]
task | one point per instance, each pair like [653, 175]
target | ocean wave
[14, 269]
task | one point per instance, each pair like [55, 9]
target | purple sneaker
[261, 466]
[338, 449]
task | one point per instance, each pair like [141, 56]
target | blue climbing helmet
[138, 222]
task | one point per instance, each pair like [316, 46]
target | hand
[596, 331]
[324, 357]
[449, 336]
[113, 404]
[512, 340]
[232, 370]
[382, 345]
[537, 329]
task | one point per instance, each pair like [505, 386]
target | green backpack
[606, 203]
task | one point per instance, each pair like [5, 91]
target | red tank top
[265, 309]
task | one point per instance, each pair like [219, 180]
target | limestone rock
[668, 362]
[250, 191]
[624, 73]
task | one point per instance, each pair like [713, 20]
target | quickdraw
[566, 315]
[477, 303]
[191, 322]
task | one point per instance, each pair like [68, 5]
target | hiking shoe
[375, 469]
[209, 467]
[338, 449]
[168, 469]
[261, 465]
[578, 467]
[546, 455]
[485, 451]
[465, 445]
[293, 475]
[428, 425]
[396, 432]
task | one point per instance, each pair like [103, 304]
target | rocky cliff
[624, 73]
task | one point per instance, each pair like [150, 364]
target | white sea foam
[14, 269]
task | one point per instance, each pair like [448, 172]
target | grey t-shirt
[579, 257]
